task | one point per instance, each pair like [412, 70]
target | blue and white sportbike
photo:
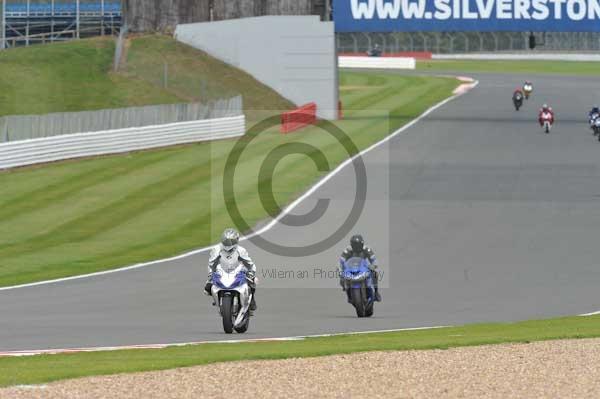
[231, 292]
[358, 284]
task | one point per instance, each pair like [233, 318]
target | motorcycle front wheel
[357, 301]
[227, 313]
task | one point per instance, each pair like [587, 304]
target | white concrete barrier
[48, 149]
[377, 62]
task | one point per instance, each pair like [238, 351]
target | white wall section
[294, 55]
[378, 62]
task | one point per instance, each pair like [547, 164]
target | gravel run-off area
[551, 369]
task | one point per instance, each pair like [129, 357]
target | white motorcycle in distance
[527, 90]
[546, 119]
[596, 127]
[232, 294]
[595, 124]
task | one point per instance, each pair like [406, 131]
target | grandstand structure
[26, 22]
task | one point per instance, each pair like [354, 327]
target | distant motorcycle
[375, 52]
[596, 127]
[518, 100]
[527, 90]
[232, 293]
[547, 121]
[594, 118]
[358, 282]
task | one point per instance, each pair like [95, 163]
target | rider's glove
[208, 285]
[251, 277]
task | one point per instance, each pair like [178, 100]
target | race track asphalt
[474, 213]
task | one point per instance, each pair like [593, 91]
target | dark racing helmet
[357, 243]
[230, 239]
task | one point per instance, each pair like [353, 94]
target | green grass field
[77, 76]
[83, 216]
[521, 67]
[45, 368]
[193, 75]
[69, 77]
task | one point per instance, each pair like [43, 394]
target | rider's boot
[377, 295]
[376, 286]
[253, 306]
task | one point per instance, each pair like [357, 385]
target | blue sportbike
[358, 284]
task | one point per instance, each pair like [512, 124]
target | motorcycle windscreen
[354, 263]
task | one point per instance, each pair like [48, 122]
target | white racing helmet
[230, 239]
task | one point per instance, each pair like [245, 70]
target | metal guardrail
[49, 149]
[24, 127]
[546, 56]
[466, 42]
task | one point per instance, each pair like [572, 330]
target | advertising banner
[466, 15]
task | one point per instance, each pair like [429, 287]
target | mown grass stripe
[56, 191]
[88, 225]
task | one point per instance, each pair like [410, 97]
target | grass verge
[522, 67]
[84, 216]
[46, 368]
[77, 76]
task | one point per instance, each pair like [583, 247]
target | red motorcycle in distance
[546, 119]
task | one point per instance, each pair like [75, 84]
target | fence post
[52, 22]
[77, 18]
[27, 25]
[3, 133]
[102, 17]
[3, 10]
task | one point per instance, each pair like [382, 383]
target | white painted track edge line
[267, 227]
[590, 314]
[180, 344]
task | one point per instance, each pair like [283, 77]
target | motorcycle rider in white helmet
[229, 248]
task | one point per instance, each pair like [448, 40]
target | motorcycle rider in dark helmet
[517, 98]
[357, 248]
[229, 249]
[593, 113]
